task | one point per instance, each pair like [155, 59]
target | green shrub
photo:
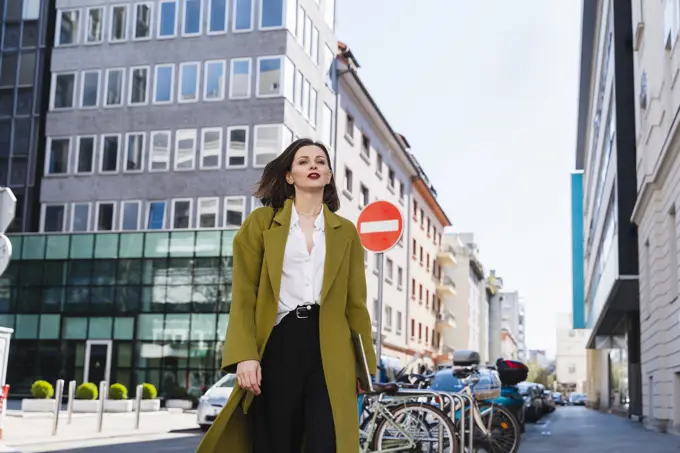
[42, 390]
[87, 391]
[178, 393]
[118, 392]
[149, 391]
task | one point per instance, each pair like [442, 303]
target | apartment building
[494, 287]
[372, 164]
[605, 241]
[467, 302]
[506, 325]
[24, 56]
[570, 355]
[655, 27]
[428, 317]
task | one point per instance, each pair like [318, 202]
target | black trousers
[294, 404]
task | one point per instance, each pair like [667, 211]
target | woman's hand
[249, 376]
[360, 391]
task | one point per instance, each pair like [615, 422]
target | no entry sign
[380, 226]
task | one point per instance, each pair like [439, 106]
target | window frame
[121, 217]
[183, 31]
[176, 143]
[245, 151]
[185, 64]
[48, 156]
[243, 199]
[53, 90]
[135, 19]
[252, 17]
[173, 202]
[43, 211]
[208, 8]
[271, 27]
[221, 96]
[82, 89]
[257, 128]
[173, 75]
[57, 29]
[86, 31]
[95, 225]
[79, 138]
[220, 148]
[281, 59]
[231, 77]
[198, 212]
[152, 134]
[131, 72]
[102, 142]
[126, 149]
[159, 21]
[105, 102]
[147, 213]
[72, 215]
[349, 178]
[126, 30]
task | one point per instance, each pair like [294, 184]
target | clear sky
[486, 93]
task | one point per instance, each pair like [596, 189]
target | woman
[299, 289]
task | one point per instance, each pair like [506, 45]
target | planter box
[85, 405]
[178, 404]
[117, 405]
[38, 405]
[148, 405]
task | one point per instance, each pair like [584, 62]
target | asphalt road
[567, 430]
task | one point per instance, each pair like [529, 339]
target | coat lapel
[275, 245]
[336, 245]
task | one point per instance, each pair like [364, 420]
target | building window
[297, 90]
[327, 125]
[53, 218]
[389, 270]
[181, 213]
[269, 75]
[271, 13]
[192, 19]
[234, 211]
[349, 184]
[159, 156]
[315, 45]
[388, 317]
[207, 212]
[142, 21]
[673, 252]
[211, 148]
[349, 126]
[379, 164]
[139, 85]
[305, 98]
[85, 155]
[189, 75]
[213, 85]
[130, 215]
[329, 66]
[185, 149]
[267, 144]
[255, 203]
[313, 108]
[89, 92]
[572, 369]
[80, 217]
[104, 214]
[164, 82]
[365, 146]
[239, 80]
[134, 152]
[399, 323]
[155, 217]
[237, 146]
[167, 19]
[413, 327]
[118, 23]
[95, 25]
[63, 91]
[68, 27]
[391, 178]
[58, 158]
[365, 198]
[400, 277]
[217, 16]
[243, 15]
[329, 13]
[109, 154]
[114, 87]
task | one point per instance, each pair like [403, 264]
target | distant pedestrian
[299, 289]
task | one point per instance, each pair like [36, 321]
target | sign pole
[379, 316]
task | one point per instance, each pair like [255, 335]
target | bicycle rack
[456, 398]
[472, 420]
[432, 393]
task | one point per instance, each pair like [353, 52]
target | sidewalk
[31, 430]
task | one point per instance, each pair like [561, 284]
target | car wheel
[205, 428]
[522, 427]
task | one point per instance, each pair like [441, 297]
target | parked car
[559, 399]
[213, 400]
[533, 400]
[577, 399]
[548, 402]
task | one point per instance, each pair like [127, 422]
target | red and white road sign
[380, 226]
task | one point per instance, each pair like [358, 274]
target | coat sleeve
[357, 314]
[240, 343]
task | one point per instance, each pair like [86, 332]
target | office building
[27, 31]
[605, 241]
[570, 355]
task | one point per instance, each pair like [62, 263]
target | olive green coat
[258, 262]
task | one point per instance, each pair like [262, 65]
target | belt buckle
[302, 312]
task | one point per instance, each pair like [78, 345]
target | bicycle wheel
[421, 423]
[504, 432]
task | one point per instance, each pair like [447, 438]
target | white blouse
[302, 275]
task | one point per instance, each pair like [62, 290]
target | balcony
[445, 320]
[446, 256]
[446, 287]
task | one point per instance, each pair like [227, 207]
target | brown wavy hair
[273, 189]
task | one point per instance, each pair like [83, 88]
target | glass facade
[138, 307]
[25, 49]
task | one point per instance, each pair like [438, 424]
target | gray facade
[25, 45]
[178, 102]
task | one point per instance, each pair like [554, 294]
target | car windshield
[524, 388]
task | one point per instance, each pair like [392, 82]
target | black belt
[305, 311]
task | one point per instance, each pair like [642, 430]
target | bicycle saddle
[389, 388]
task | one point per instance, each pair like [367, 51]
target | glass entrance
[97, 361]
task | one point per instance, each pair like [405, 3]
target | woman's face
[310, 170]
